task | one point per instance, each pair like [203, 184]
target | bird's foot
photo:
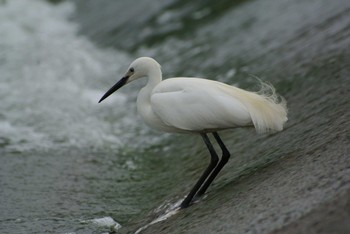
[194, 200]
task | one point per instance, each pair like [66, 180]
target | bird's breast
[145, 110]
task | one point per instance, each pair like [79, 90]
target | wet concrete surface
[305, 189]
[330, 217]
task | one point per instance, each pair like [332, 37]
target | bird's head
[139, 68]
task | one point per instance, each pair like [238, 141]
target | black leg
[213, 162]
[221, 164]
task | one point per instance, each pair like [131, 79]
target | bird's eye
[131, 69]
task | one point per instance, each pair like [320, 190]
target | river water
[66, 161]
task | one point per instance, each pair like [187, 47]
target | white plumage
[196, 105]
[186, 104]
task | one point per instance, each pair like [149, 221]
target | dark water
[65, 160]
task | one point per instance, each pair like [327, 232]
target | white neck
[154, 77]
[144, 107]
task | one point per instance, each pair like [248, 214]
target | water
[70, 165]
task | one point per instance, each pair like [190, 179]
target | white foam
[171, 209]
[51, 80]
[106, 222]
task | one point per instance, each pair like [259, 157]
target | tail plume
[268, 110]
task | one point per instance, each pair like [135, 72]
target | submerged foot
[194, 200]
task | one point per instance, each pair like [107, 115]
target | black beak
[115, 87]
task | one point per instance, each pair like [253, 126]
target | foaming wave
[51, 80]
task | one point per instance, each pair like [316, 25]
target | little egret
[196, 105]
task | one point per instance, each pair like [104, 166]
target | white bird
[196, 105]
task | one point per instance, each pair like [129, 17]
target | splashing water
[51, 80]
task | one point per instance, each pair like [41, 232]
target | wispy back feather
[267, 109]
[269, 112]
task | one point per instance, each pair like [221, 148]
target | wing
[196, 104]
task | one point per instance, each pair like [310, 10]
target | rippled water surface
[66, 161]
